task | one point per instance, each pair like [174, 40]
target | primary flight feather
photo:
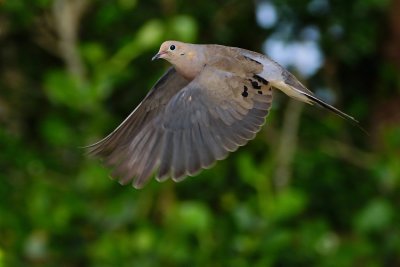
[211, 101]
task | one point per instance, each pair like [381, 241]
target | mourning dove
[211, 101]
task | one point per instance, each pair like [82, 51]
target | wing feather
[182, 127]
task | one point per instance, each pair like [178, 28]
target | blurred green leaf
[128, 4]
[94, 53]
[288, 203]
[191, 217]
[62, 88]
[184, 28]
[56, 131]
[2, 264]
[376, 216]
[144, 240]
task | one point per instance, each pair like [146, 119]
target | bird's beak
[157, 56]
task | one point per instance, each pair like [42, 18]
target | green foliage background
[310, 190]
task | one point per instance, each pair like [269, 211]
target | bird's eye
[172, 47]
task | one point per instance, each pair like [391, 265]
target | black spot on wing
[260, 79]
[255, 84]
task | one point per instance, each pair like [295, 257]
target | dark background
[310, 190]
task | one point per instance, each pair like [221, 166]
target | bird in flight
[211, 101]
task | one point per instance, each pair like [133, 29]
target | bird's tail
[296, 90]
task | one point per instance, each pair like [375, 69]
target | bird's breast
[188, 72]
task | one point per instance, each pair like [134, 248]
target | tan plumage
[213, 100]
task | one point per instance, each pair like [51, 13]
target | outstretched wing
[202, 122]
[153, 104]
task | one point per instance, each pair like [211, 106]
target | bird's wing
[153, 104]
[211, 116]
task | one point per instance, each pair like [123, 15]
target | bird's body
[213, 100]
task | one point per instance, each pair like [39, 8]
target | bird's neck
[188, 73]
[191, 65]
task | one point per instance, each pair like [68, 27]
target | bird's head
[174, 51]
[186, 58]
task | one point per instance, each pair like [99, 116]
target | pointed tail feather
[308, 97]
[338, 112]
